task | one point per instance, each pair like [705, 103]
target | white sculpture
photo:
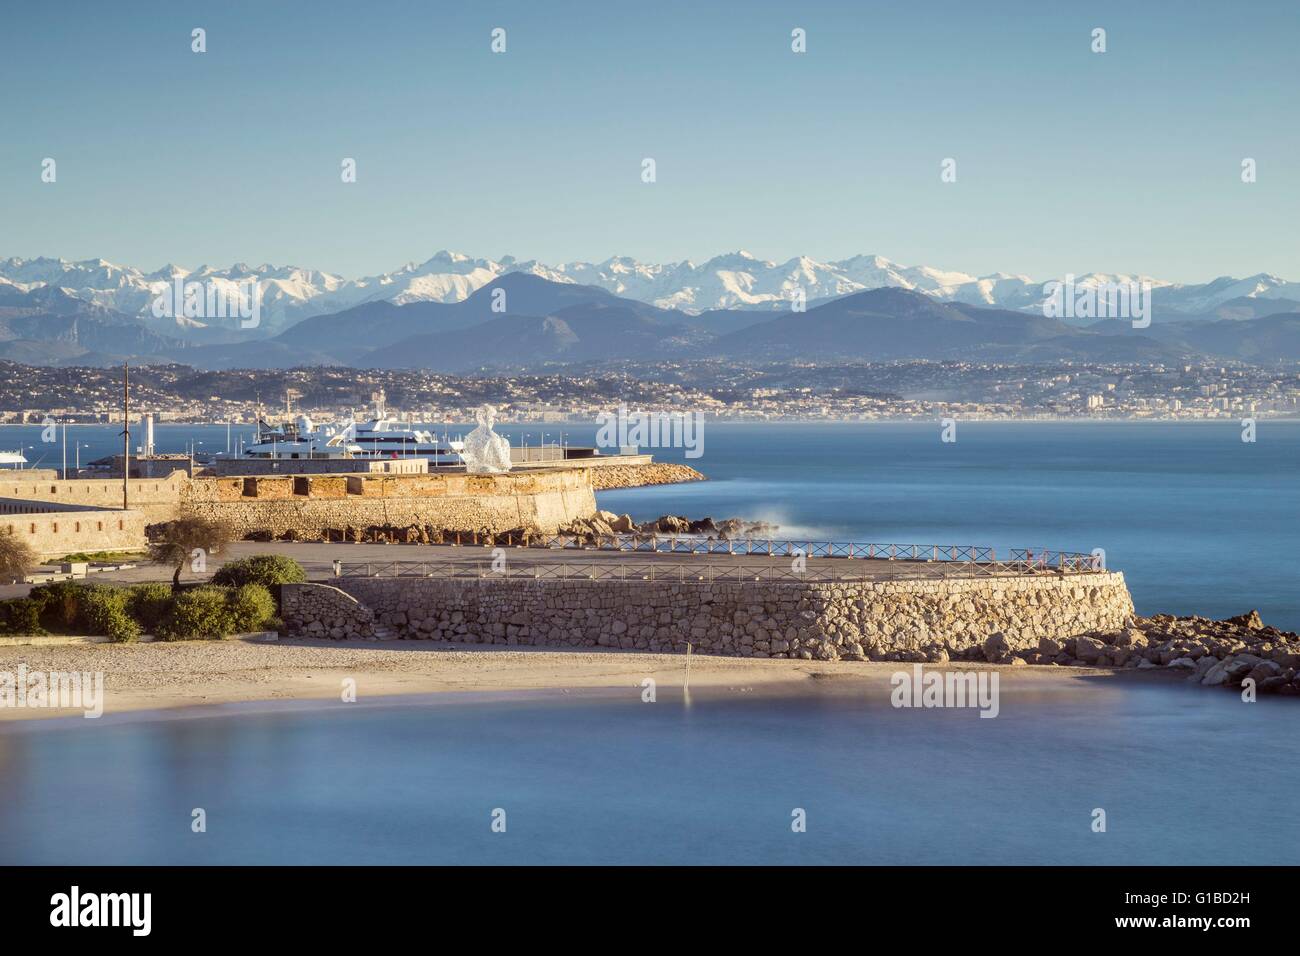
[485, 452]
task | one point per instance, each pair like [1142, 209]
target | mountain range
[520, 319]
[735, 281]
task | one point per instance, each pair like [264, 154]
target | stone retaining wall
[895, 619]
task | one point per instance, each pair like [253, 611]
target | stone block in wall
[261, 486]
[226, 489]
[482, 484]
[328, 486]
[432, 486]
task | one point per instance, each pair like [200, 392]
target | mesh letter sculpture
[486, 452]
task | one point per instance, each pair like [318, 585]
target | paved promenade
[318, 560]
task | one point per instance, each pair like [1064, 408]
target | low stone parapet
[885, 620]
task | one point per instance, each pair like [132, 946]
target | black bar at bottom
[322, 904]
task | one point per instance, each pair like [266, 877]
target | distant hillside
[349, 337]
[592, 331]
[895, 324]
[1272, 338]
[48, 327]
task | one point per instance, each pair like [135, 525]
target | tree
[16, 556]
[188, 539]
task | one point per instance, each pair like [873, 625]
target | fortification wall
[308, 506]
[54, 530]
[315, 506]
[894, 619]
[156, 498]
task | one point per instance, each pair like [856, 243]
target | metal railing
[1017, 560]
[699, 571]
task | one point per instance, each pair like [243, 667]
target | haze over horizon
[1068, 161]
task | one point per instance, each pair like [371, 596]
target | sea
[1199, 521]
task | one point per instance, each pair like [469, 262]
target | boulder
[1250, 619]
[1216, 675]
[1264, 670]
[600, 527]
[672, 524]
[1130, 637]
[1088, 649]
[996, 648]
[1237, 667]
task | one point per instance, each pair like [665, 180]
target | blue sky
[1067, 160]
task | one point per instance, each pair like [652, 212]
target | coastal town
[915, 390]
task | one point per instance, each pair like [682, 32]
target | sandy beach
[162, 677]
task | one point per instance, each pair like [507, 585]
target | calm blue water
[1198, 521]
[609, 779]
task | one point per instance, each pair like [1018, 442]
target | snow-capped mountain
[736, 280]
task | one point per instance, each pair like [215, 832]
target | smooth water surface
[1185, 775]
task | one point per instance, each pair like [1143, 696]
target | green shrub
[60, 604]
[265, 569]
[20, 616]
[124, 613]
[251, 606]
[104, 612]
[199, 612]
[148, 604]
[98, 557]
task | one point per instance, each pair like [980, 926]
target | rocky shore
[609, 477]
[602, 523]
[607, 523]
[1225, 653]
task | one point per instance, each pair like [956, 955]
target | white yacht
[301, 438]
[15, 459]
[384, 437]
